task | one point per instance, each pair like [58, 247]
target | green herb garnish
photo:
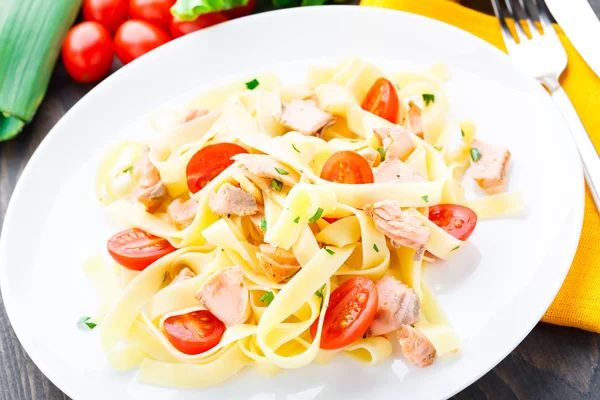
[267, 297]
[281, 171]
[297, 220]
[397, 86]
[252, 84]
[425, 198]
[428, 98]
[328, 250]
[475, 154]
[375, 248]
[317, 215]
[462, 133]
[320, 291]
[456, 248]
[275, 184]
[354, 141]
[263, 224]
[128, 169]
[382, 152]
[438, 148]
[295, 148]
[87, 322]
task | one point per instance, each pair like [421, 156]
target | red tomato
[209, 162]
[457, 220]
[195, 332]
[180, 28]
[136, 249]
[157, 12]
[331, 220]
[135, 38]
[347, 167]
[351, 311]
[109, 13]
[382, 100]
[87, 52]
[241, 11]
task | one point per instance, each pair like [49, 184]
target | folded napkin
[578, 301]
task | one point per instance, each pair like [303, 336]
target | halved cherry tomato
[351, 311]
[241, 11]
[87, 52]
[209, 162]
[157, 12]
[382, 100]
[347, 167]
[136, 249]
[457, 220]
[331, 220]
[135, 38]
[109, 13]
[179, 28]
[194, 332]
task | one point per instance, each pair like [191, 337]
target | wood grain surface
[551, 363]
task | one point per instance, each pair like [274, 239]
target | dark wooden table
[552, 362]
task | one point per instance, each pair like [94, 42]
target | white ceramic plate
[494, 290]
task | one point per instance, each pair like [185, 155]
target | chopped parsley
[438, 148]
[375, 247]
[328, 250]
[317, 215]
[475, 154]
[267, 297]
[295, 148]
[425, 198]
[128, 169]
[462, 133]
[297, 220]
[397, 86]
[428, 98]
[253, 84]
[87, 322]
[281, 171]
[275, 184]
[263, 224]
[354, 141]
[456, 248]
[320, 291]
[382, 152]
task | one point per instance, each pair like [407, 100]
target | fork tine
[545, 17]
[513, 14]
[531, 16]
[509, 40]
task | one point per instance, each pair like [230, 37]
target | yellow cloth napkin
[578, 301]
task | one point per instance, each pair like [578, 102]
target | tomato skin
[136, 249]
[459, 221]
[109, 13]
[209, 162]
[351, 310]
[347, 167]
[194, 332]
[179, 28]
[87, 52]
[135, 38]
[156, 12]
[241, 11]
[382, 100]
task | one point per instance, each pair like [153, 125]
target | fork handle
[587, 151]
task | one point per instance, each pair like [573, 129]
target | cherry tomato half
[109, 13]
[209, 162]
[351, 311]
[87, 52]
[195, 332]
[241, 11]
[457, 220]
[135, 38]
[347, 167]
[136, 249]
[382, 100]
[156, 12]
[180, 28]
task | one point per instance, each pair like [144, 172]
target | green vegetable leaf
[189, 10]
[295, 148]
[375, 247]
[275, 184]
[456, 248]
[87, 322]
[267, 297]
[475, 154]
[428, 98]
[128, 169]
[425, 198]
[253, 84]
[263, 224]
[320, 291]
[281, 171]
[382, 152]
[317, 215]
[328, 250]
[297, 220]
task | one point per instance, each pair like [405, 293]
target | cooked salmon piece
[369, 154]
[150, 190]
[305, 117]
[182, 213]
[416, 347]
[415, 119]
[398, 305]
[396, 141]
[194, 113]
[256, 219]
[394, 170]
[230, 200]
[400, 226]
[278, 264]
[183, 275]
[489, 171]
[225, 295]
[146, 171]
[265, 166]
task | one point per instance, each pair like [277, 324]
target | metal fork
[541, 54]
